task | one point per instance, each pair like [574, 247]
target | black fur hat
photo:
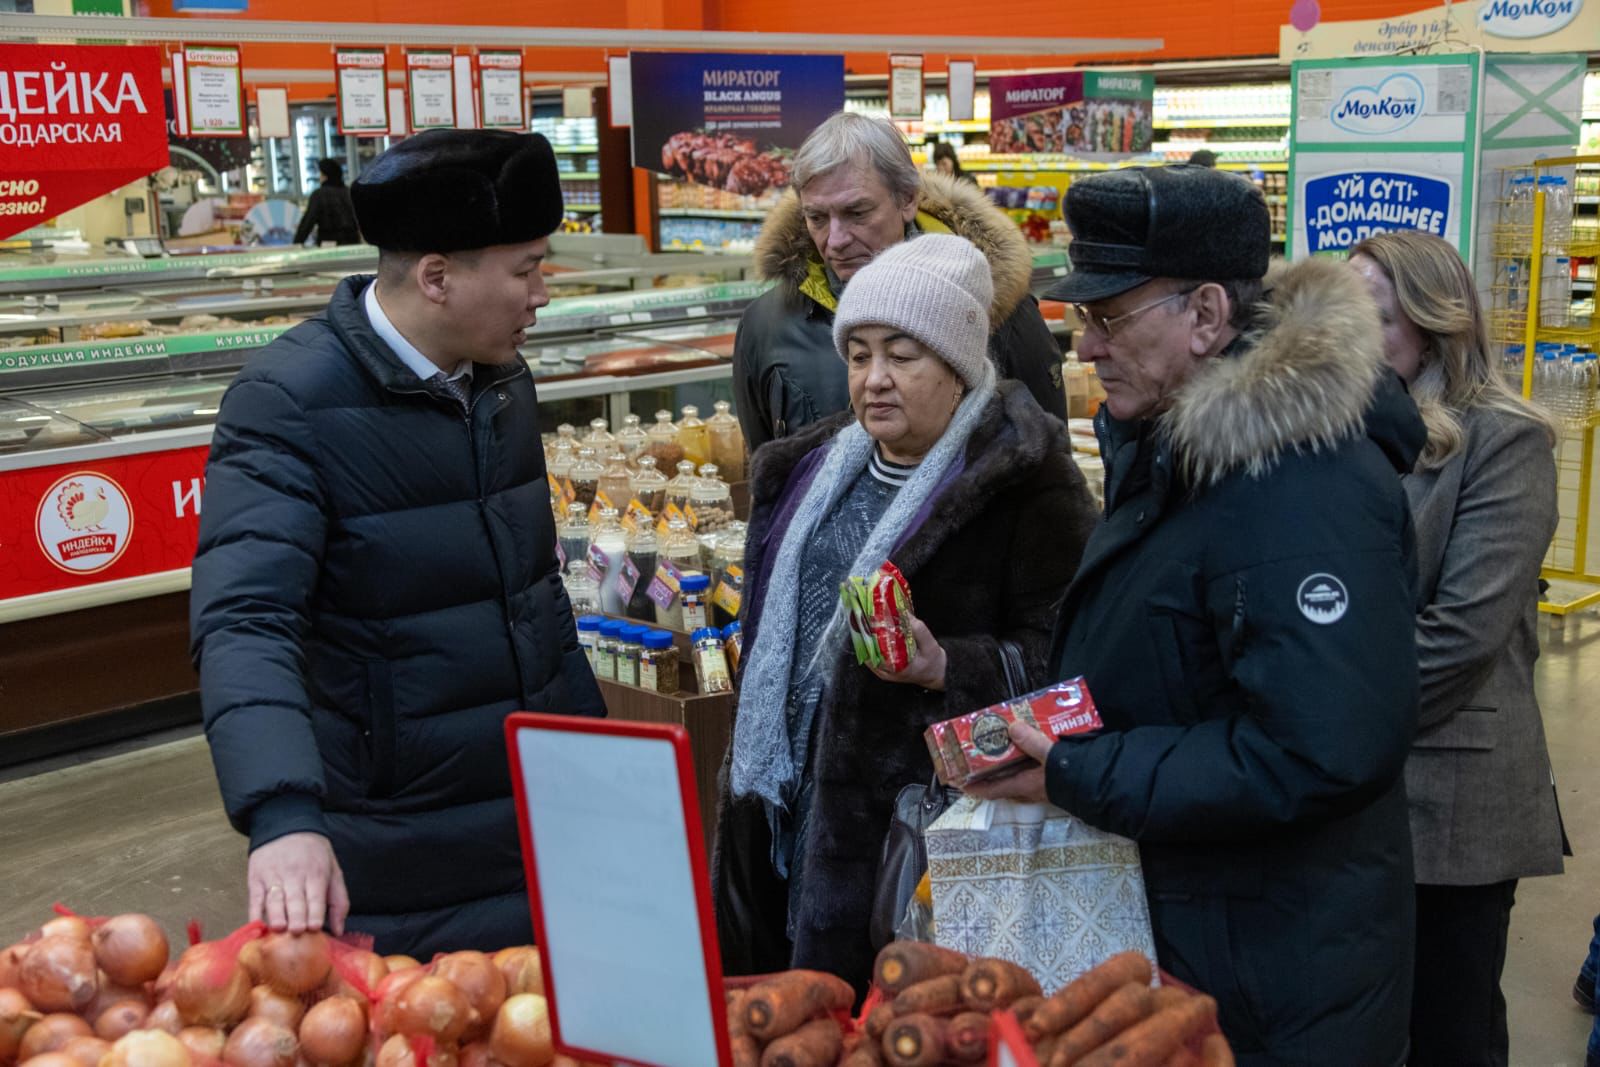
[1132, 225]
[455, 190]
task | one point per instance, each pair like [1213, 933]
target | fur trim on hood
[1301, 382]
[784, 251]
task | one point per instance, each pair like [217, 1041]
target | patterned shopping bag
[1031, 884]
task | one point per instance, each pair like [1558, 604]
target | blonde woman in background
[1483, 498]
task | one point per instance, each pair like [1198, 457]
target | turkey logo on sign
[84, 523]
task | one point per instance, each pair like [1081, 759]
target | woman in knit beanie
[967, 487]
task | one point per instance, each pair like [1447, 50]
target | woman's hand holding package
[1026, 785]
[927, 668]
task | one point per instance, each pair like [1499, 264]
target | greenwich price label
[76, 121]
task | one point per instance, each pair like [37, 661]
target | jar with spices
[733, 645]
[694, 595]
[617, 482]
[727, 574]
[605, 658]
[599, 437]
[582, 590]
[677, 554]
[607, 550]
[710, 662]
[650, 486]
[629, 645]
[568, 433]
[663, 431]
[585, 476]
[727, 441]
[679, 489]
[631, 439]
[561, 456]
[642, 562]
[589, 636]
[692, 436]
[658, 663]
[711, 500]
[572, 536]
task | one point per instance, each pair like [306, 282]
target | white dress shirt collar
[409, 354]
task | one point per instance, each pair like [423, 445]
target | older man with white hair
[857, 192]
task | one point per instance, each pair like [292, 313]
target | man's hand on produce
[296, 885]
[927, 669]
[1025, 785]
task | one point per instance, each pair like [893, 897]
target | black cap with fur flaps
[456, 190]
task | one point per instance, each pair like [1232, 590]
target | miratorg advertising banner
[1084, 113]
[727, 120]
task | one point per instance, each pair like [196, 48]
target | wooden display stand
[708, 718]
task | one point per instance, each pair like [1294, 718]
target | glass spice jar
[692, 436]
[642, 554]
[585, 476]
[589, 636]
[711, 500]
[733, 645]
[629, 645]
[599, 437]
[631, 439]
[710, 662]
[658, 663]
[650, 486]
[680, 488]
[617, 481]
[573, 534]
[608, 547]
[605, 659]
[679, 550]
[727, 441]
[582, 590]
[663, 431]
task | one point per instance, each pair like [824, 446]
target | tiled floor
[142, 829]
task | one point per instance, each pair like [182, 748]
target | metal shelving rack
[1568, 559]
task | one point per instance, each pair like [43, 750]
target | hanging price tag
[693, 519]
[600, 501]
[638, 514]
[599, 563]
[561, 556]
[627, 579]
[667, 515]
[663, 590]
[729, 593]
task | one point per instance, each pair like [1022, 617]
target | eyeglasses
[1107, 327]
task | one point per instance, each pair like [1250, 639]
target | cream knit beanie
[936, 288]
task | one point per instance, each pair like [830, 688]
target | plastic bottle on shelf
[1557, 212]
[1512, 360]
[1555, 292]
[693, 437]
[607, 549]
[1544, 370]
[1519, 211]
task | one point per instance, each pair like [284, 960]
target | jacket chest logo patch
[1323, 599]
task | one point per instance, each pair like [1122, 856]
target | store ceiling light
[253, 31]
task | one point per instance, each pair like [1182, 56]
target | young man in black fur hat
[376, 583]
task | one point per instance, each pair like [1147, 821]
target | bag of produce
[879, 613]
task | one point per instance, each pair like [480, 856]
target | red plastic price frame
[549, 939]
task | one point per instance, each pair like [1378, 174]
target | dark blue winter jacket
[375, 588]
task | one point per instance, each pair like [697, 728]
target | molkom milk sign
[1493, 25]
[1379, 145]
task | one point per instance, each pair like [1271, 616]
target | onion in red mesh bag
[521, 1036]
[433, 1006]
[414, 1050]
[261, 1043]
[210, 988]
[147, 1048]
[121, 1019]
[131, 949]
[88, 1051]
[11, 965]
[51, 1033]
[164, 1017]
[205, 1043]
[16, 1015]
[480, 981]
[58, 974]
[522, 970]
[334, 1032]
[295, 963]
[357, 972]
[387, 997]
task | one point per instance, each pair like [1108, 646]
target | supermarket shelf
[1280, 238]
[584, 209]
[973, 126]
[1019, 165]
[1277, 198]
[575, 150]
[710, 213]
[576, 176]
[1231, 123]
[1584, 249]
[1581, 336]
[1586, 200]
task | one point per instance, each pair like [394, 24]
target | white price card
[621, 894]
[215, 91]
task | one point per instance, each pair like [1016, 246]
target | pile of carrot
[933, 1008]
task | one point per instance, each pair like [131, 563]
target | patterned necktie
[454, 387]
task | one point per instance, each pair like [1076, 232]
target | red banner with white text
[77, 524]
[76, 121]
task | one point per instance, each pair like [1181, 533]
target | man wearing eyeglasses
[1243, 616]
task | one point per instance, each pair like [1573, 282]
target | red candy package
[978, 745]
[879, 613]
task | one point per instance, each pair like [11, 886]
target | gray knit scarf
[764, 763]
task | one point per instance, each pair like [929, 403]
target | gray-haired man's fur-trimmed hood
[1301, 380]
[785, 251]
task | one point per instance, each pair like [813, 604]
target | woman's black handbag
[905, 856]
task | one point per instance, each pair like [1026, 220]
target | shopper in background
[971, 491]
[329, 211]
[857, 192]
[1483, 498]
[376, 585]
[1203, 157]
[947, 163]
[1244, 617]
